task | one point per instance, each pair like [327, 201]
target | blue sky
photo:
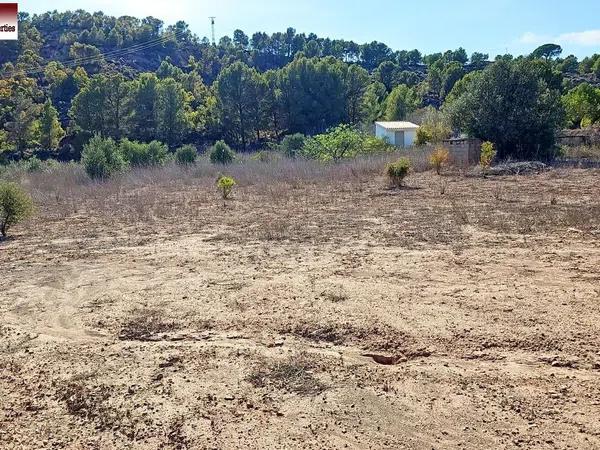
[494, 27]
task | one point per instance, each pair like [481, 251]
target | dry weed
[146, 325]
[294, 375]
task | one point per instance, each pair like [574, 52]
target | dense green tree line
[74, 75]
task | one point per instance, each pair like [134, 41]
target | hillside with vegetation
[73, 75]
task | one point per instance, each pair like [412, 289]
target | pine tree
[143, 100]
[171, 112]
[50, 130]
[21, 129]
[241, 89]
[401, 101]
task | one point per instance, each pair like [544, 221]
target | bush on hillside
[435, 127]
[264, 156]
[139, 154]
[372, 144]
[439, 158]
[423, 136]
[397, 171]
[157, 153]
[488, 153]
[291, 145]
[186, 155]
[102, 158]
[225, 185]
[221, 153]
[15, 205]
[34, 164]
[341, 142]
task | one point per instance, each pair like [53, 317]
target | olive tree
[15, 205]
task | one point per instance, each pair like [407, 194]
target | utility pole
[212, 27]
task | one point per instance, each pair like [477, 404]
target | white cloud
[588, 38]
[533, 38]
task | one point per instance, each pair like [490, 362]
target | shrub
[439, 158]
[263, 156]
[102, 158]
[340, 142]
[139, 154]
[50, 164]
[488, 153]
[423, 136]
[186, 155]
[34, 164]
[132, 151]
[157, 153]
[221, 153]
[343, 141]
[291, 145]
[225, 184]
[15, 205]
[435, 127]
[397, 171]
[373, 144]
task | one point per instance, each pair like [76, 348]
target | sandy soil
[316, 315]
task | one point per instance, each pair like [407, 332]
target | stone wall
[574, 138]
[464, 152]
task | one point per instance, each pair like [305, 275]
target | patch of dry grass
[375, 336]
[146, 325]
[68, 188]
[590, 152]
[90, 401]
[294, 374]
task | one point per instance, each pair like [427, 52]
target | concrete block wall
[463, 152]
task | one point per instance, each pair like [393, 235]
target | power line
[112, 54]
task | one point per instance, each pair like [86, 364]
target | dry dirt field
[315, 309]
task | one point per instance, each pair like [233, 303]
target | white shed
[399, 134]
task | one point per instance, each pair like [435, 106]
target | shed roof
[397, 126]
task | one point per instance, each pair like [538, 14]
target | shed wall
[410, 136]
